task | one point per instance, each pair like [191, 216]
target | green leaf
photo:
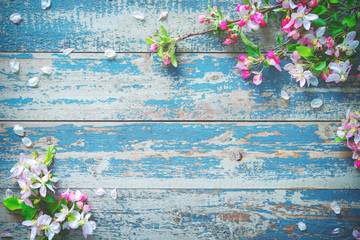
[353, 60]
[163, 30]
[220, 12]
[337, 139]
[173, 60]
[258, 51]
[50, 155]
[350, 3]
[279, 39]
[335, 16]
[49, 199]
[319, 22]
[334, 1]
[53, 207]
[150, 41]
[160, 51]
[266, 2]
[320, 65]
[304, 51]
[70, 217]
[266, 64]
[266, 17]
[28, 212]
[292, 48]
[12, 203]
[247, 41]
[251, 51]
[62, 201]
[319, 9]
[352, 22]
[36, 154]
[246, 2]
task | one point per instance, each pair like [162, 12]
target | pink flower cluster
[300, 18]
[251, 18]
[244, 66]
[349, 130]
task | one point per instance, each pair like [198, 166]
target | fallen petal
[14, 66]
[314, 81]
[113, 194]
[356, 234]
[27, 142]
[302, 226]
[19, 130]
[316, 103]
[46, 70]
[100, 191]
[68, 51]
[335, 231]
[33, 82]
[335, 207]
[285, 95]
[15, 18]
[9, 193]
[110, 54]
[45, 4]
[163, 15]
[6, 235]
[138, 15]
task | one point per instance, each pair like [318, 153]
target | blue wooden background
[170, 139]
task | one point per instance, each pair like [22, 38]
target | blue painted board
[189, 155]
[139, 87]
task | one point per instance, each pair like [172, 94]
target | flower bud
[167, 60]
[303, 3]
[223, 25]
[72, 197]
[357, 164]
[227, 41]
[202, 18]
[238, 7]
[83, 198]
[270, 54]
[247, 7]
[242, 58]
[86, 208]
[79, 204]
[252, 18]
[153, 47]
[277, 59]
[229, 30]
[212, 15]
[241, 23]
[263, 23]
[245, 74]
[295, 55]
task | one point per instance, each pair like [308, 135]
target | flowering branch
[319, 41]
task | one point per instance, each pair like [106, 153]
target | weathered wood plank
[90, 26]
[188, 155]
[215, 214]
[138, 87]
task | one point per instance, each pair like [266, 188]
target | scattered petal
[113, 194]
[19, 130]
[163, 15]
[33, 82]
[302, 226]
[110, 54]
[9, 193]
[68, 51]
[14, 66]
[335, 207]
[335, 231]
[314, 81]
[316, 103]
[46, 70]
[138, 15]
[100, 191]
[285, 95]
[15, 18]
[6, 235]
[27, 142]
[356, 234]
[45, 4]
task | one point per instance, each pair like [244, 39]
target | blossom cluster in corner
[47, 216]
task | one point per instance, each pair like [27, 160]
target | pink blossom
[287, 4]
[83, 198]
[270, 54]
[327, 75]
[349, 45]
[299, 74]
[243, 65]
[263, 23]
[257, 79]
[238, 7]
[277, 59]
[296, 55]
[202, 18]
[153, 47]
[259, 17]
[313, 3]
[301, 18]
[294, 34]
[247, 7]
[316, 39]
[79, 204]
[227, 41]
[340, 71]
[242, 57]
[65, 194]
[273, 63]
[357, 165]
[223, 25]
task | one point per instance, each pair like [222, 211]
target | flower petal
[113, 194]
[311, 17]
[335, 207]
[100, 191]
[302, 226]
[316, 103]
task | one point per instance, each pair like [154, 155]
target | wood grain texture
[214, 214]
[94, 26]
[138, 87]
[188, 155]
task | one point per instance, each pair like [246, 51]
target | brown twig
[194, 34]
